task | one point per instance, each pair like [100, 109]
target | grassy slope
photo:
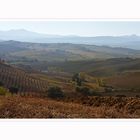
[98, 67]
[125, 80]
[47, 55]
[29, 107]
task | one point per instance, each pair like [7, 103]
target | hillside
[33, 81]
[27, 107]
[14, 77]
[15, 51]
[114, 96]
[127, 80]
[99, 68]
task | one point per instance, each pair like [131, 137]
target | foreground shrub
[13, 90]
[85, 91]
[1, 83]
[55, 92]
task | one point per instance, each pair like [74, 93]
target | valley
[64, 80]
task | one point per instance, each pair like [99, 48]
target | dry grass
[95, 107]
[125, 80]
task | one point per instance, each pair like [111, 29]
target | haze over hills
[127, 41]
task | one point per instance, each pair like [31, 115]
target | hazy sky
[82, 28]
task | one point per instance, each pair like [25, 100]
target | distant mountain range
[128, 41]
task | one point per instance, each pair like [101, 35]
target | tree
[55, 92]
[76, 77]
[85, 91]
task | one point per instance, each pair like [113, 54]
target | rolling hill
[24, 51]
[31, 81]
[99, 68]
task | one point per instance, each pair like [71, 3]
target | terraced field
[15, 77]
[33, 82]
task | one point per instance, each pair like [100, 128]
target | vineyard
[14, 77]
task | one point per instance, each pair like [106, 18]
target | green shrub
[55, 92]
[3, 91]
